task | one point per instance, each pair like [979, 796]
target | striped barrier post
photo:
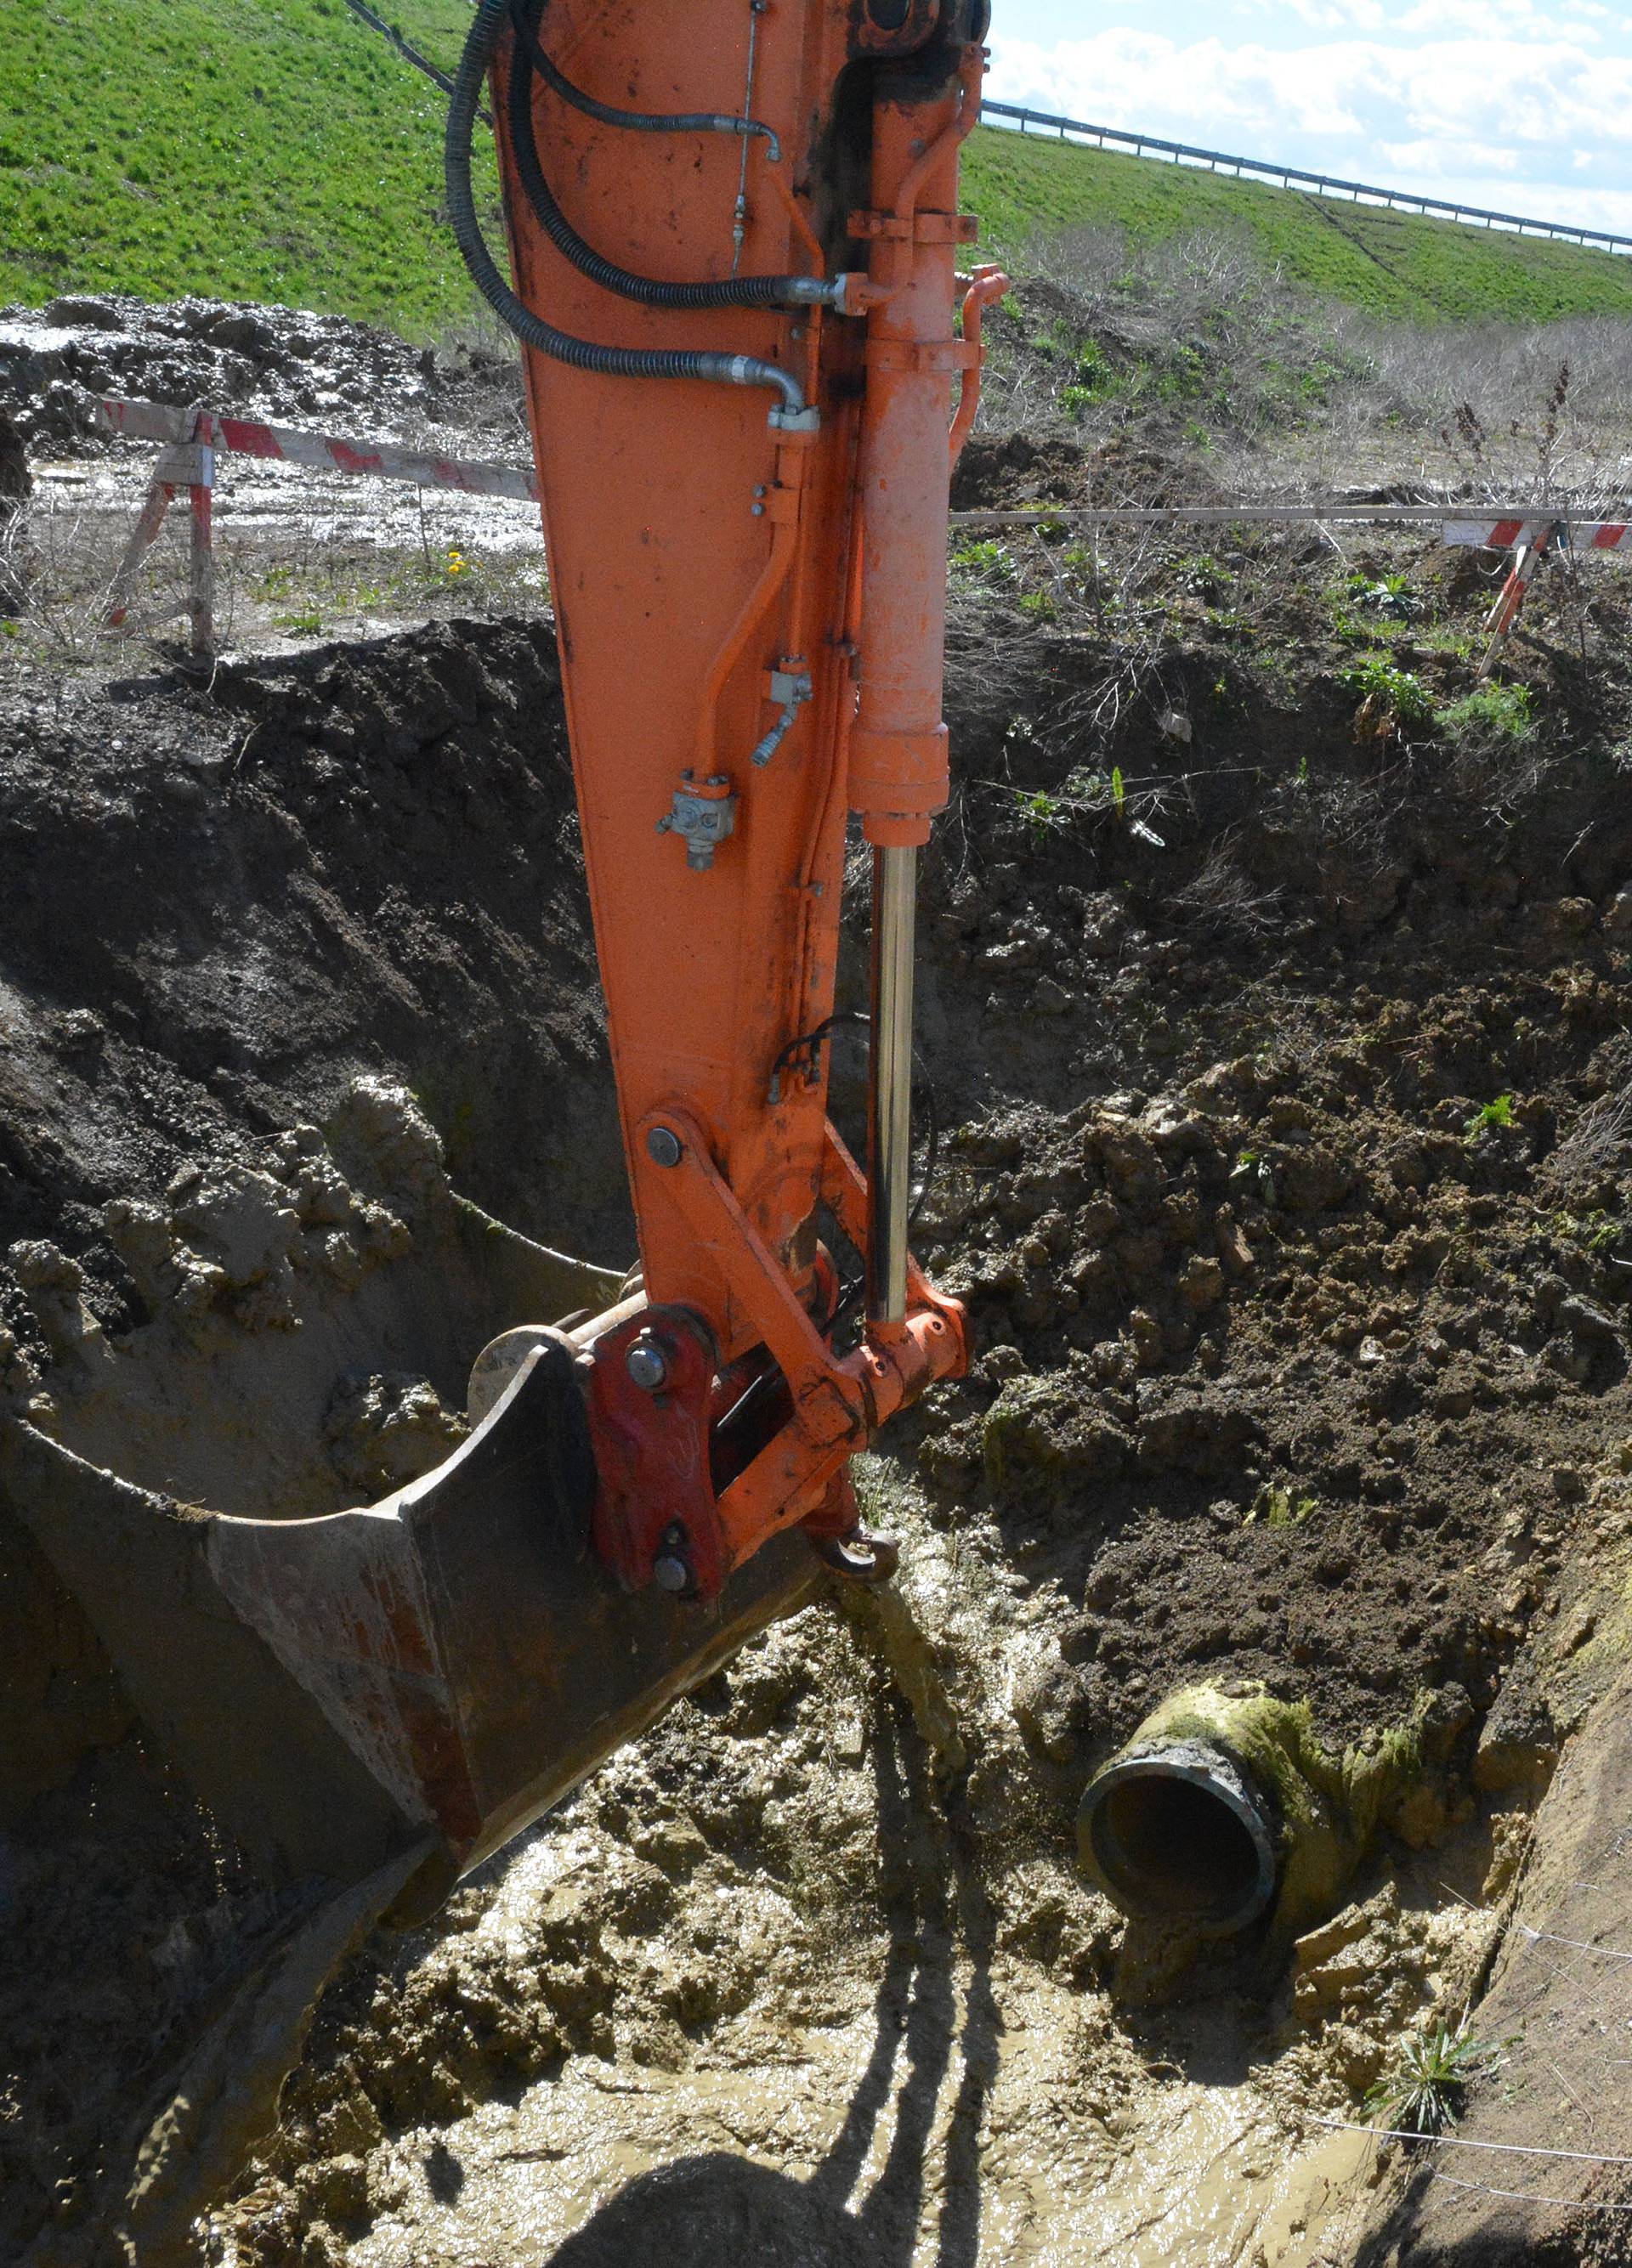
[194, 438]
[1530, 541]
[185, 464]
[1527, 556]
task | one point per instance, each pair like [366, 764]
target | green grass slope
[279, 150]
[255, 148]
[1394, 265]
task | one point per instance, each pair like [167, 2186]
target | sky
[1522, 106]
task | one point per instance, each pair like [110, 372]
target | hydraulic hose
[731, 291]
[648, 121]
[531, 329]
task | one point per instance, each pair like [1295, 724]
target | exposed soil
[266, 362]
[1278, 1031]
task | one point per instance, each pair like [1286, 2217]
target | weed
[1496, 1113]
[1043, 812]
[1207, 577]
[1597, 1232]
[1279, 1507]
[1423, 2093]
[1391, 698]
[1504, 712]
[1382, 594]
[986, 562]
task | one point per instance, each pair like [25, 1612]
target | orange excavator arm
[734, 266]
[747, 557]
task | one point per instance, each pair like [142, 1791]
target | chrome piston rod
[889, 1082]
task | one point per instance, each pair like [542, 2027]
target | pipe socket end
[1178, 1833]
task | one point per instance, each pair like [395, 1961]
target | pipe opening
[1177, 1835]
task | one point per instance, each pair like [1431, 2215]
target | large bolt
[646, 1364]
[664, 1146]
[671, 1570]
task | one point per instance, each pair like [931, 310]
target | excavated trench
[1301, 1387]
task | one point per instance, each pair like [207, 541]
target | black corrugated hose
[731, 291]
[531, 329]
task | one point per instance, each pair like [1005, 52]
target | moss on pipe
[1323, 1809]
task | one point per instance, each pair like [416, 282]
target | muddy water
[826, 1988]
[849, 2142]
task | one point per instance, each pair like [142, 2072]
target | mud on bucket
[1174, 1831]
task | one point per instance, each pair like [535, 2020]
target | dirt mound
[230, 900]
[260, 361]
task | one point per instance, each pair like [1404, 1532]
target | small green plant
[1040, 605]
[1092, 378]
[986, 562]
[1392, 695]
[1118, 791]
[1424, 2091]
[1041, 811]
[1497, 1112]
[1279, 1507]
[1200, 572]
[1382, 594]
[1595, 1232]
[1503, 712]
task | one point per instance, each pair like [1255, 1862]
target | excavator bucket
[363, 1626]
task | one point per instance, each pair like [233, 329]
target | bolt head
[670, 1572]
[646, 1364]
[662, 1146]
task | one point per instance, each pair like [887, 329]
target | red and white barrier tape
[246, 436]
[1511, 534]
[194, 438]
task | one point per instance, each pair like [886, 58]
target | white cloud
[1545, 122]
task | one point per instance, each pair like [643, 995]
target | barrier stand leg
[144, 535]
[200, 583]
[1500, 620]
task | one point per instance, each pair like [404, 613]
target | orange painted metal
[695, 554]
[985, 286]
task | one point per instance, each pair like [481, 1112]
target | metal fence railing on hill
[1291, 177]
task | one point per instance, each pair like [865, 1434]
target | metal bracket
[914, 228]
[655, 1519]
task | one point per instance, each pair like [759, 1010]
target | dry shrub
[1223, 902]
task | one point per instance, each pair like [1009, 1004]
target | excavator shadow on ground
[695, 2210]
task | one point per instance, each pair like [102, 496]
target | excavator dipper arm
[734, 252]
[749, 574]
